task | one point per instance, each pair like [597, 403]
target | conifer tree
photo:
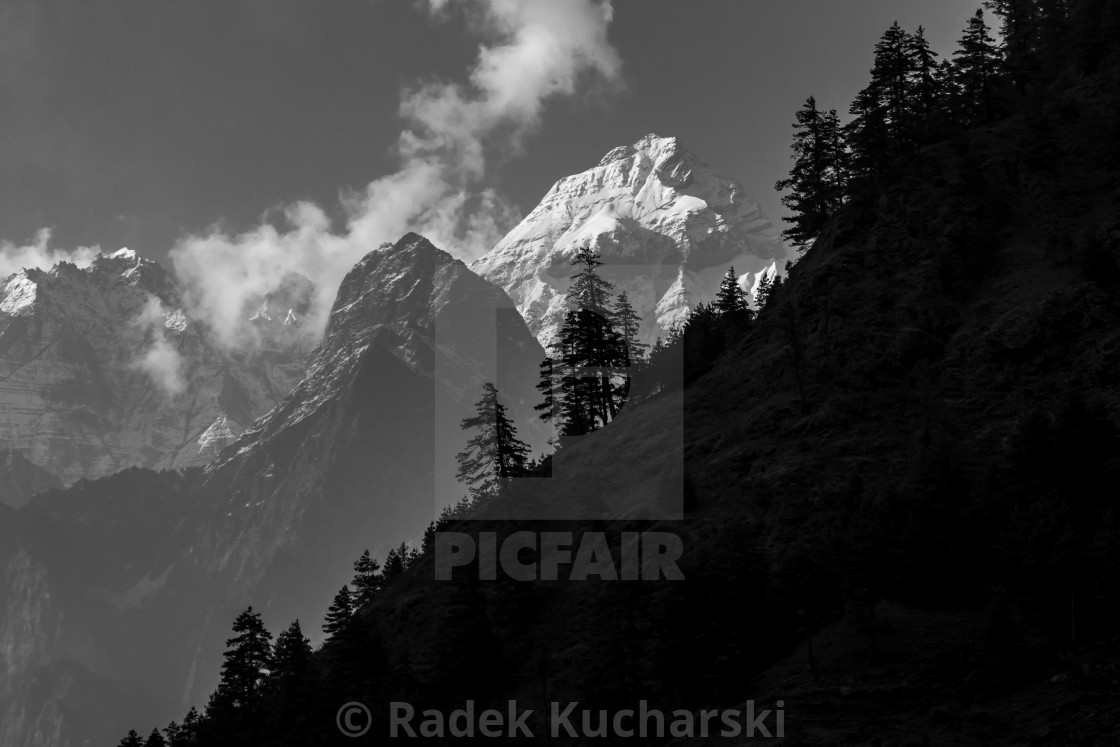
[246, 663]
[398, 561]
[585, 377]
[188, 733]
[155, 739]
[882, 127]
[494, 454]
[132, 740]
[339, 613]
[926, 90]
[766, 289]
[394, 566]
[588, 290]
[891, 75]
[627, 323]
[291, 679]
[548, 388]
[731, 299]
[816, 184]
[975, 64]
[173, 735]
[367, 580]
[1019, 31]
[291, 656]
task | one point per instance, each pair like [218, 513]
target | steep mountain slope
[666, 225]
[900, 512]
[132, 580]
[100, 369]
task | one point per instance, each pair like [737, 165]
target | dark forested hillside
[900, 511]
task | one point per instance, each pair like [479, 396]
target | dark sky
[131, 122]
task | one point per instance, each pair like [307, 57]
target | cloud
[40, 255]
[532, 51]
[161, 360]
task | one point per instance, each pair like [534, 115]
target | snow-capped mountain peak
[666, 225]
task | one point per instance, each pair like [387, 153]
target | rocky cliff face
[135, 578]
[666, 225]
[101, 369]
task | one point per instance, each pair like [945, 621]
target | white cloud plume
[160, 360]
[534, 50]
[40, 255]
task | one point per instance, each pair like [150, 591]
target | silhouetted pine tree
[586, 379]
[975, 65]
[155, 739]
[339, 613]
[731, 299]
[765, 290]
[927, 87]
[817, 182]
[173, 734]
[188, 733]
[367, 580]
[291, 681]
[627, 323]
[132, 740]
[1019, 31]
[883, 121]
[247, 659]
[398, 561]
[494, 454]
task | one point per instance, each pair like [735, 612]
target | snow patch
[19, 295]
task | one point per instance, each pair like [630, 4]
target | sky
[142, 122]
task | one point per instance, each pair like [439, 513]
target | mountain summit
[667, 226]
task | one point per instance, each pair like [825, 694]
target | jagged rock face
[362, 452]
[101, 369]
[667, 227]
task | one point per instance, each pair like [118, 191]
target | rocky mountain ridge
[102, 368]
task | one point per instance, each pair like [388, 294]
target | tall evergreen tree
[291, 656]
[494, 454]
[367, 580]
[291, 679]
[731, 299]
[816, 183]
[398, 561]
[246, 663]
[627, 323]
[588, 290]
[926, 90]
[1019, 31]
[975, 64]
[155, 739]
[131, 740]
[339, 613]
[189, 731]
[547, 387]
[173, 735]
[885, 115]
[586, 376]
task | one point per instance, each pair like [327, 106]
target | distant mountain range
[102, 368]
[118, 592]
